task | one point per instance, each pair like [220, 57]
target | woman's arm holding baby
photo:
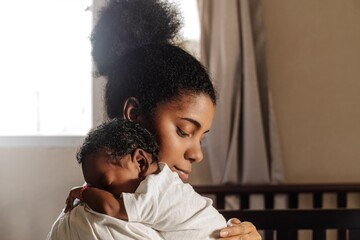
[239, 230]
[98, 200]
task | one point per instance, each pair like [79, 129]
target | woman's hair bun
[124, 25]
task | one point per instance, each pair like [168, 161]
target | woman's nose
[195, 153]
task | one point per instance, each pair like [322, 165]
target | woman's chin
[182, 175]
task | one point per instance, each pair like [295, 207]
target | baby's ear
[144, 159]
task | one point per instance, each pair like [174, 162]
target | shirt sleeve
[142, 206]
[168, 204]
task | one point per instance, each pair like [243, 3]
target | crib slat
[341, 200]
[319, 234]
[269, 235]
[341, 234]
[317, 200]
[354, 234]
[293, 201]
[269, 204]
[220, 201]
[244, 201]
[286, 234]
[341, 203]
[269, 201]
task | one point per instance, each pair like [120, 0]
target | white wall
[313, 57]
[34, 184]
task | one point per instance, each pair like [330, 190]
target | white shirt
[173, 208]
[83, 223]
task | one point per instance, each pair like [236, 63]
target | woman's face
[180, 126]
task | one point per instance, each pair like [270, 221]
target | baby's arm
[98, 200]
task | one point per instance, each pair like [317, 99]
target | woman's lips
[184, 175]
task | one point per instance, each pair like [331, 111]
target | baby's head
[116, 155]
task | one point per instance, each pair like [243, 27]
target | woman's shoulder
[164, 176]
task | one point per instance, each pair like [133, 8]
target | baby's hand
[75, 193]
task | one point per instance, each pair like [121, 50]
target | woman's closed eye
[181, 133]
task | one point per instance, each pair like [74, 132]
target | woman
[152, 81]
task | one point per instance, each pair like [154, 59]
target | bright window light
[191, 28]
[45, 67]
[189, 11]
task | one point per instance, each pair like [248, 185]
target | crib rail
[292, 191]
[285, 224]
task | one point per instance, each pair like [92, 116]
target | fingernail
[224, 233]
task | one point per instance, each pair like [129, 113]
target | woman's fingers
[233, 221]
[239, 230]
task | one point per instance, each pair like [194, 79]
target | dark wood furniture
[284, 224]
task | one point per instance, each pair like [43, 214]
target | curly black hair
[133, 46]
[119, 137]
[124, 25]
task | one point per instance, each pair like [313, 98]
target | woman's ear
[131, 109]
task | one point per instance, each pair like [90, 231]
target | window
[191, 28]
[45, 68]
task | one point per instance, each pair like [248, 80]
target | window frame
[97, 105]
[97, 86]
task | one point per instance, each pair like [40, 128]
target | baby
[125, 180]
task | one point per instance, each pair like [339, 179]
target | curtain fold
[243, 145]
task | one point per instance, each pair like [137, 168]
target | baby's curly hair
[119, 137]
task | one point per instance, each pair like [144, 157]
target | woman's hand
[239, 230]
[75, 193]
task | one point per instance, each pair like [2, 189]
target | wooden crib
[285, 223]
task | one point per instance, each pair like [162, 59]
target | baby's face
[101, 171]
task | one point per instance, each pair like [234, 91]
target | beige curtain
[243, 144]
